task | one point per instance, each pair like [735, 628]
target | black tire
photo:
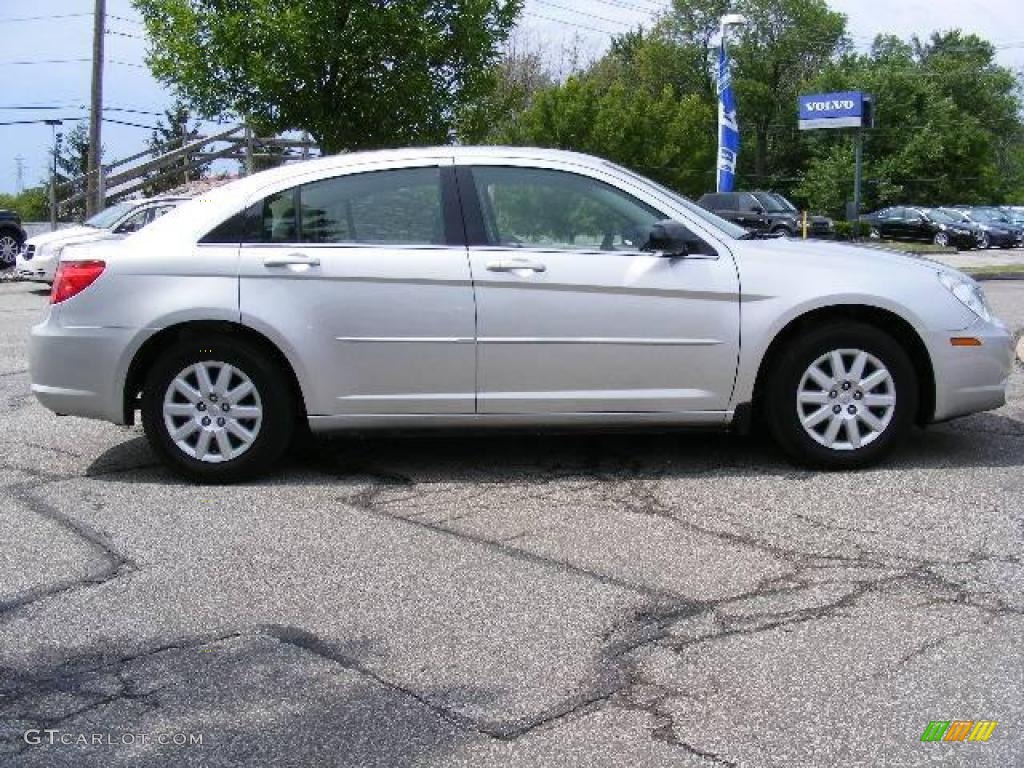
[278, 407]
[941, 239]
[10, 244]
[788, 370]
[874, 233]
[784, 231]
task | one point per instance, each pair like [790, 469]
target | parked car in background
[39, 256]
[817, 225]
[12, 237]
[499, 287]
[1014, 212]
[997, 230]
[761, 211]
[920, 224]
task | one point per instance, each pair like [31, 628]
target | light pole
[53, 172]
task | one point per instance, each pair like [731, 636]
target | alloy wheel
[8, 250]
[941, 239]
[212, 411]
[846, 399]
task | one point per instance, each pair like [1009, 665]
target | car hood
[69, 235]
[794, 252]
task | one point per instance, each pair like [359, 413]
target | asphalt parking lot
[517, 600]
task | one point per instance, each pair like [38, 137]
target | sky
[44, 62]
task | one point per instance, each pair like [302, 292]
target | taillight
[73, 277]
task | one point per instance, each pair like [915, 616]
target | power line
[125, 19]
[34, 62]
[41, 121]
[130, 124]
[16, 19]
[581, 13]
[542, 17]
[633, 6]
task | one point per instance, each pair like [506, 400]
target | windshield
[954, 214]
[989, 214]
[936, 214]
[726, 227]
[785, 203]
[106, 218]
[770, 202]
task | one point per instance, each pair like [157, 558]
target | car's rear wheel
[841, 396]
[941, 239]
[217, 410]
[984, 241]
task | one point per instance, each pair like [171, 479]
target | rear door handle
[511, 265]
[292, 259]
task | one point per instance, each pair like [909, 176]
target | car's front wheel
[217, 410]
[941, 239]
[841, 396]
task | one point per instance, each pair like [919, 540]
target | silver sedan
[500, 287]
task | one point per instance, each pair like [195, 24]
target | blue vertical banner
[728, 127]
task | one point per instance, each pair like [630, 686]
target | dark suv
[764, 212]
[12, 237]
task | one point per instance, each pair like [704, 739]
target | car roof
[160, 199]
[342, 161]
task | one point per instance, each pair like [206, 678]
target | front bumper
[78, 371]
[971, 379]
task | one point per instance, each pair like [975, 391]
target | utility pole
[92, 202]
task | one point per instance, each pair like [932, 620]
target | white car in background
[39, 256]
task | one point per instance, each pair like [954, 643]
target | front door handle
[511, 265]
[292, 259]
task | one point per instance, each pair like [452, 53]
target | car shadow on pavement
[983, 440]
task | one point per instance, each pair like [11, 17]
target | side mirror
[670, 238]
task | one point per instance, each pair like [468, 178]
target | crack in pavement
[115, 563]
[668, 613]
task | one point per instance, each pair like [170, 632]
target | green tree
[948, 126]
[661, 135]
[356, 74]
[785, 44]
[72, 165]
[32, 204]
[511, 86]
[173, 132]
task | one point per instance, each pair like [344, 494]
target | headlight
[968, 293]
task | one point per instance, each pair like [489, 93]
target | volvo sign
[846, 109]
